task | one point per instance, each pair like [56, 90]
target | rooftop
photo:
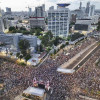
[35, 91]
[66, 71]
[63, 4]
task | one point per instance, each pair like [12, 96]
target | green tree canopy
[12, 28]
[76, 36]
[98, 27]
[23, 44]
[27, 57]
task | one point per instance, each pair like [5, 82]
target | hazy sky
[19, 5]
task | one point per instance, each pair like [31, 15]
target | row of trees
[35, 31]
[18, 30]
[48, 40]
[75, 36]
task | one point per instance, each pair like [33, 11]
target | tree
[49, 35]
[76, 36]
[57, 40]
[26, 32]
[46, 21]
[24, 48]
[55, 51]
[20, 56]
[16, 27]
[38, 32]
[12, 28]
[27, 57]
[98, 27]
[47, 39]
[17, 54]
[23, 44]
[22, 28]
[39, 48]
[11, 53]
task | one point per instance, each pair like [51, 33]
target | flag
[35, 82]
[47, 86]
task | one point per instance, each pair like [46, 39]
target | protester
[17, 78]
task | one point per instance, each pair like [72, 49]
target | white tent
[63, 70]
[34, 91]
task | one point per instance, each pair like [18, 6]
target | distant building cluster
[84, 18]
[38, 19]
[55, 20]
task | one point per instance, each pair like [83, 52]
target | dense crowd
[84, 82]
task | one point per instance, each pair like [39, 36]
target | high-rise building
[51, 8]
[39, 17]
[87, 11]
[30, 11]
[58, 20]
[8, 10]
[92, 10]
[80, 6]
[40, 11]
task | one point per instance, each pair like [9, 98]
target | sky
[21, 5]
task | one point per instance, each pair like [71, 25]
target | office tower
[92, 9]
[80, 6]
[39, 17]
[40, 11]
[87, 11]
[58, 20]
[30, 11]
[8, 10]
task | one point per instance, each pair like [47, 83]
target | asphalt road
[75, 62]
[86, 58]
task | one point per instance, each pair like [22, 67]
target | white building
[94, 19]
[87, 11]
[37, 22]
[92, 9]
[13, 39]
[40, 11]
[30, 11]
[58, 20]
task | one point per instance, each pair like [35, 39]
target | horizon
[16, 6]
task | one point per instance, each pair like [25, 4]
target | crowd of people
[85, 81]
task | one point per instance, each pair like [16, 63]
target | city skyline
[21, 5]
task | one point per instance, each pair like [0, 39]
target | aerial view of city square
[49, 49]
